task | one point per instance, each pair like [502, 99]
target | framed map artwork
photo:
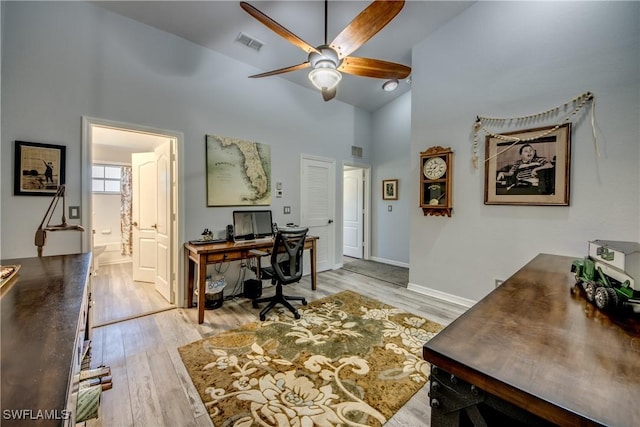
[238, 172]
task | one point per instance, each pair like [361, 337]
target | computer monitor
[251, 225]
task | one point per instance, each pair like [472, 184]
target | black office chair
[285, 268]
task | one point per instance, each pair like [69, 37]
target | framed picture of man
[529, 167]
[390, 189]
[39, 169]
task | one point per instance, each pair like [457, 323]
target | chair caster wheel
[304, 302]
[254, 304]
[262, 317]
[296, 315]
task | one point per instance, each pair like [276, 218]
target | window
[106, 179]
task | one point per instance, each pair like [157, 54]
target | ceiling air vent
[356, 151]
[249, 41]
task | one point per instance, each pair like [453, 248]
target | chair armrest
[256, 252]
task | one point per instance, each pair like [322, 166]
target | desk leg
[188, 277]
[312, 253]
[202, 281]
[451, 397]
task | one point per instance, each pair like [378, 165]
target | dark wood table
[44, 331]
[198, 256]
[536, 351]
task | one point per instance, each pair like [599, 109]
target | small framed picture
[532, 169]
[390, 189]
[39, 168]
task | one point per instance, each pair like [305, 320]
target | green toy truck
[607, 274]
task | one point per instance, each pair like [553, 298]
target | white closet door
[318, 207]
[353, 217]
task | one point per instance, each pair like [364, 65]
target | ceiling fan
[329, 60]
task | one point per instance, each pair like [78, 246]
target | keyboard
[206, 242]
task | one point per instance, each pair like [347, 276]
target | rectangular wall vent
[249, 41]
[356, 151]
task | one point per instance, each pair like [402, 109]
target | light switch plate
[287, 210]
[74, 212]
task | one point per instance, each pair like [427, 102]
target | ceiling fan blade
[305, 64]
[328, 94]
[277, 28]
[366, 25]
[377, 68]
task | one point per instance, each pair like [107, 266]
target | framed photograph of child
[390, 189]
[39, 169]
[528, 167]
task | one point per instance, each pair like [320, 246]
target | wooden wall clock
[436, 175]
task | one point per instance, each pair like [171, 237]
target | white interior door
[353, 217]
[317, 200]
[144, 203]
[163, 228]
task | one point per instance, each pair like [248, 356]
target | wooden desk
[45, 325]
[202, 255]
[537, 345]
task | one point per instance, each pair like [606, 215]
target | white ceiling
[216, 25]
[128, 141]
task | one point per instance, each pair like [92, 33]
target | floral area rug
[349, 360]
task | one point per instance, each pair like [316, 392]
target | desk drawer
[226, 256]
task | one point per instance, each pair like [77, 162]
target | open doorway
[131, 211]
[356, 211]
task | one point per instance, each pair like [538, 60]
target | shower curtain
[126, 230]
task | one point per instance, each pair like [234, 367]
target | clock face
[434, 168]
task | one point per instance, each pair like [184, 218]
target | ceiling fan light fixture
[325, 78]
[329, 60]
[390, 85]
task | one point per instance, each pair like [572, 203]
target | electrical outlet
[287, 210]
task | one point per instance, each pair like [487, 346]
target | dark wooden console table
[535, 352]
[45, 329]
[197, 257]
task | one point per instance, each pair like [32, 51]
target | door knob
[134, 223]
[155, 226]
[330, 221]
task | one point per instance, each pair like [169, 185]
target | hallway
[378, 270]
[117, 297]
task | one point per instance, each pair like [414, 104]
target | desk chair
[285, 268]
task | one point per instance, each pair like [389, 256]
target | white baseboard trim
[389, 261]
[450, 299]
[116, 261]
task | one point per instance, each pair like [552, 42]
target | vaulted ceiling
[217, 24]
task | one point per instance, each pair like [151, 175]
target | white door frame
[366, 169]
[178, 224]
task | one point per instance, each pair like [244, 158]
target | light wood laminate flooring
[151, 386]
[118, 297]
